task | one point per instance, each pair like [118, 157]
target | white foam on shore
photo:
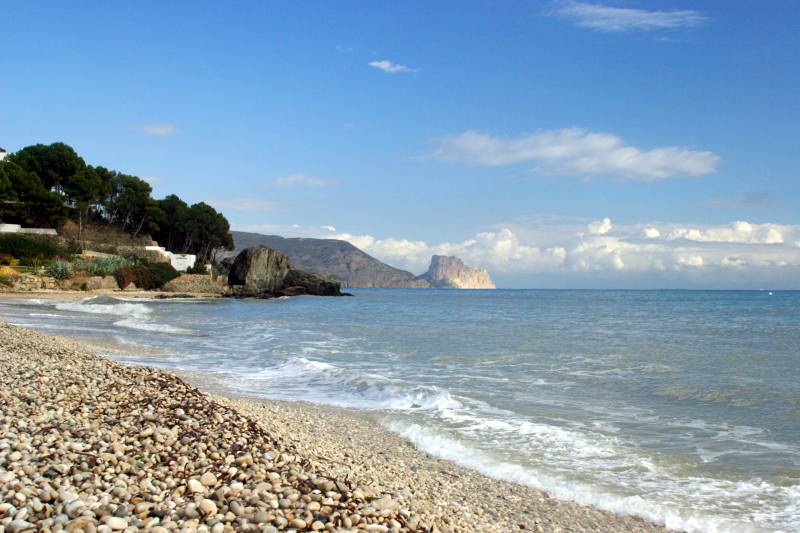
[673, 518]
[328, 384]
[135, 315]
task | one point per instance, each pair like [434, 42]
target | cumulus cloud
[301, 180]
[161, 129]
[753, 252]
[652, 233]
[328, 228]
[577, 151]
[245, 204]
[391, 68]
[619, 20]
[600, 227]
[497, 250]
[739, 231]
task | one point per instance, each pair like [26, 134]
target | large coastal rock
[263, 272]
[451, 272]
[334, 259]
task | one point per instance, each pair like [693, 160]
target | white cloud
[753, 252]
[301, 180]
[160, 129]
[618, 19]
[600, 227]
[328, 228]
[391, 68]
[739, 231]
[245, 204]
[576, 151]
[652, 233]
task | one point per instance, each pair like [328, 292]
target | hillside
[335, 259]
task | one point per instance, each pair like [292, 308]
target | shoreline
[69, 295]
[350, 448]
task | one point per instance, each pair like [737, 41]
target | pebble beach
[90, 444]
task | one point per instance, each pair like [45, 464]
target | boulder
[259, 270]
[263, 272]
[299, 282]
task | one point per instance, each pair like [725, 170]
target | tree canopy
[42, 184]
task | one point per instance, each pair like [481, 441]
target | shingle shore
[89, 444]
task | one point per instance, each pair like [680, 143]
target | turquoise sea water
[679, 406]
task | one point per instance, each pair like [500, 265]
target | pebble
[17, 526]
[96, 446]
[207, 507]
[298, 523]
[196, 486]
[116, 523]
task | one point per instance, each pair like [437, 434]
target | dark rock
[265, 273]
[259, 270]
[311, 283]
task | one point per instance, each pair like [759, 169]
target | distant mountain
[338, 260]
[451, 272]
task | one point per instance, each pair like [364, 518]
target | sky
[559, 144]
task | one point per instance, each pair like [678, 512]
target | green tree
[208, 230]
[7, 192]
[128, 202]
[172, 233]
[83, 189]
[34, 204]
[54, 163]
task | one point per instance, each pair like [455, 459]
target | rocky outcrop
[451, 272]
[334, 259]
[263, 272]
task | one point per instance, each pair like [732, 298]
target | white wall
[16, 228]
[182, 262]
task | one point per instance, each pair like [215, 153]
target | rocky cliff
[335, 259]
[263, 272]
[451, 272]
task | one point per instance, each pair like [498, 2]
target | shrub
[124, 276]
[60, 270]
[146, 276]
[197, 268]
[102, 266]
[28, 248]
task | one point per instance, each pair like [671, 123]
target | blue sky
[496, 131]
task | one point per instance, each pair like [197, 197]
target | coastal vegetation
[46, 185]
[27, 250]
[147, 276]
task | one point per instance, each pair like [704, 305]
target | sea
[682, 407]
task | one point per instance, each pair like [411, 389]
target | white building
[3, 153]
[180, 262]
